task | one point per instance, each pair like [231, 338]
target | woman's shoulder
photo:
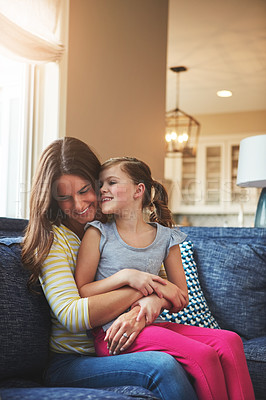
[62, 234]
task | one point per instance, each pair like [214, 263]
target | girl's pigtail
[159, 206]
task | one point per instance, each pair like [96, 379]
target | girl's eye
[112, 182]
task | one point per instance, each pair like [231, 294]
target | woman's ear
[139, 192]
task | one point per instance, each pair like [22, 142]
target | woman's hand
[124, 331]
[150, 308]
[145, 282]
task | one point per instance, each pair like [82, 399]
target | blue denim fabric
[156, 371]
[67, 393]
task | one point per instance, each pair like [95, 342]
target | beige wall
[251, 122]
[116, 77]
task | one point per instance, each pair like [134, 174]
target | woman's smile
[76, 198]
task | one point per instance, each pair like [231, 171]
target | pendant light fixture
[182, 130]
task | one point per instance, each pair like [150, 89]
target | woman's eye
[62, 198]
[85, 190]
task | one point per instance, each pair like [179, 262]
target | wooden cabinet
[206, 184]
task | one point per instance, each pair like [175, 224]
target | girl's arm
[60, 289]
[86, 267]
[175, 274]
[87, 264]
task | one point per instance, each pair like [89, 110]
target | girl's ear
[139, 192]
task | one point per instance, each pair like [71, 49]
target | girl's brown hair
[62, 157]
[155, 197]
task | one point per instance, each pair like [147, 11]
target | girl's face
[117, 191]
[77, 199]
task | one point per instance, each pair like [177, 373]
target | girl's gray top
[117, 255]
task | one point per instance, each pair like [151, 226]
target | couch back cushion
[232, 270]
[24, 316]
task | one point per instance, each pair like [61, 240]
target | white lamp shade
[252, 162]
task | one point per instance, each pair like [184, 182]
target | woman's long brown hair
[62, 157]
[155, 198]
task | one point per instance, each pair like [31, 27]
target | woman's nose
[78, 204]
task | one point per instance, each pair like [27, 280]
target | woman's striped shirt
[69, 312]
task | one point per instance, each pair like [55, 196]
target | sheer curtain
[30, 29]
[33, 33]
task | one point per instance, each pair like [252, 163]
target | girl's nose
[103, 189]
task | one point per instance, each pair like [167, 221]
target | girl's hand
[150, 308]
[143, 281]
[176, 296]
[124, 331]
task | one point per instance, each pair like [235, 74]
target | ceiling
[223, 45]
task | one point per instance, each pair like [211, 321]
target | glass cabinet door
[213, 175]
[188, 180]
[236, 192]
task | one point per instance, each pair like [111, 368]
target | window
[29, 121]
[12, 122]
[32, 93]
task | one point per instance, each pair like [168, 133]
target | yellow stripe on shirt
[69, 312]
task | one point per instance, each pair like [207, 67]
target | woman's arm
[105, 307]
[175, 295]
[143, 313]
[59, 287]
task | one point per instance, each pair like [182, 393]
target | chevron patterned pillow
[197, 312]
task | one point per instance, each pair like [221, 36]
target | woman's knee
[166, 362]
[166, 365]
[170, 378]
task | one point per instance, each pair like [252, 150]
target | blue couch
[231, 264]
[25, 330]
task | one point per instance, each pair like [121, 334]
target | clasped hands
[158, 294]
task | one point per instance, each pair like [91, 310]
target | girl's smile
[117, 190]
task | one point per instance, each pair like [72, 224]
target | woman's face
[77, 199]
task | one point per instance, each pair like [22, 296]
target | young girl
[214, 359]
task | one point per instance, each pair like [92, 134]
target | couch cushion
[197, 312]
[12, 227]
[231, 264]
[255, 351]
[25, 318]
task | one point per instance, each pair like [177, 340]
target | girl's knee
[210, 357]
[206, 357]
[233, 339]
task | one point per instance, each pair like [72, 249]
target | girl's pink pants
[213, 358]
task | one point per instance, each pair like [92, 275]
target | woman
[63, 200]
